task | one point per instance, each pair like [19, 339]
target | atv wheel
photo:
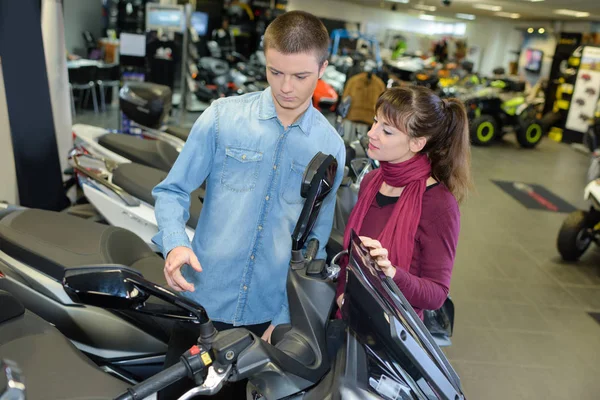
[573, 237]
[530, 133]
[483, 130]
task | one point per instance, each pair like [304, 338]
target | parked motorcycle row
[86, 311]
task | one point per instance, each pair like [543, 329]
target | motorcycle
[582, 227]
[385, 350]
[37, 247]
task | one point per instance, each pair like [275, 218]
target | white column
[55, 51]
[8, 174]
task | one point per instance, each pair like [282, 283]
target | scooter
[582, 227]
[122, 194]
[385, 352]
[37, 247]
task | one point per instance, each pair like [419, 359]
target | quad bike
[581, 227]
[489, 114]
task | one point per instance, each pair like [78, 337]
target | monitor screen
[533, 60]
[199, 22]
[161, 17]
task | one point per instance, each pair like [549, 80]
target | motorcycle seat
[153, 153]
[52, 242]
[179, 131]
[139, 180]
[51, 365]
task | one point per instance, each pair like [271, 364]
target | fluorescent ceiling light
[398, 1]
[535, 1]
[425, 7]
[508, 15]
[572, 13]
[465, 16]
[427, 17]
[487, 7]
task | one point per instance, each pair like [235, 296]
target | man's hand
[176, 259]
[380, 255]
[267, 335]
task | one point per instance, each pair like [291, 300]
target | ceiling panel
[526, 9]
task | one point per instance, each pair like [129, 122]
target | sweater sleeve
[437, 243]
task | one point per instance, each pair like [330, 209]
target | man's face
[293, 77]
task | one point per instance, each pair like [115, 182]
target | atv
[489, 114]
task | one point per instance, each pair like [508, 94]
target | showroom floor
[522, 330]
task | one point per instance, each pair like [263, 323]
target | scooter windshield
[386, 324]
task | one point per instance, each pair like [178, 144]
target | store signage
[535, 197]
[586, 92]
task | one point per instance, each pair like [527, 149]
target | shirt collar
[267, 111]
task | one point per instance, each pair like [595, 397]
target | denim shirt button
[267, 198]
[274, 166]
[260, 227]
[245, 287]
[252, 257]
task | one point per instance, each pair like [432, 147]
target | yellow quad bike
[490, 117]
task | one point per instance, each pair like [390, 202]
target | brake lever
[212, 384]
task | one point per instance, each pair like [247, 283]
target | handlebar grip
[156, 383]
[312, 249]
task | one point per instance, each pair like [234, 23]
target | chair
[84, 78]
[107, 75]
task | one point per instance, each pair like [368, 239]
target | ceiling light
[399, 1]
[572, 13]
[465, 16]
[541, 30]
[425, 7]
[530, 30]
[508, 15]
[427, 17]
[487, 7]
[535, 1]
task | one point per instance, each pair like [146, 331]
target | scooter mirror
[106, 286]
[317, 182]
[12, 385]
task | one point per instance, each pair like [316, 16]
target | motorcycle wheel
[530, 133]
[573, 237]
[483, 129]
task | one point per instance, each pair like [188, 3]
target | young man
[252, 151]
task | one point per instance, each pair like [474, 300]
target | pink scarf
[398, 236]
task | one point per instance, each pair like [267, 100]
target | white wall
[81, 15]
[8, 174]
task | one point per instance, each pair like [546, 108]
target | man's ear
[417, 144]
[322, 69]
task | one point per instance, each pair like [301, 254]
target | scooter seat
[153, 153]
[52, 242]
[52, 367]
[139, 180]
[179, 131]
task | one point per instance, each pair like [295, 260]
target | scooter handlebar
[192, 363]
[155, 383]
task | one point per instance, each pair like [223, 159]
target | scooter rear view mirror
[317, 182]
[12, 385]
[120, 287]
[106, 286]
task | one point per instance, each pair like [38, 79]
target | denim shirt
[253, 169]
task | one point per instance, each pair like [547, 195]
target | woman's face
[387, 143]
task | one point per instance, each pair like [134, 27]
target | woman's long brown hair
[419, 112]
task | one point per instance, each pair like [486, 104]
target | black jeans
[185, 335]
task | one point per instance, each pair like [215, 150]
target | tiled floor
[522, 330]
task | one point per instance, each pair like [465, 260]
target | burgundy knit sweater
[427, 283]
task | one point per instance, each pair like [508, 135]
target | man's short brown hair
[298, 32]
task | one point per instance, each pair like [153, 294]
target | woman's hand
[380, 255]
[340, 301]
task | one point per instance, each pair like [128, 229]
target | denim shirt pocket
[293, 181]
[240, 169]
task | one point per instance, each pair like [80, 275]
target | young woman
[407, 211]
